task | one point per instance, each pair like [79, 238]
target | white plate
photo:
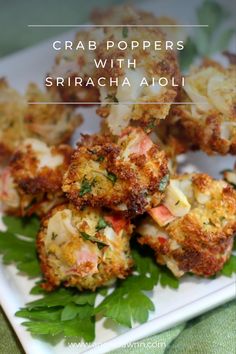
[193, 297]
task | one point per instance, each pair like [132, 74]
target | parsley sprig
[17, 244]
[207, 40]
[67, 312]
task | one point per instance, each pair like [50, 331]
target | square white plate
[194, 295]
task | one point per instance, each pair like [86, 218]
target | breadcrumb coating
[32, 181]
[129, 175]
[53, 124]
[192, 231]
[210, 123]
[151, 65]
[85, 249]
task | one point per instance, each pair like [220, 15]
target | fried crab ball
[138, 86]
[210, 123]
[128, 15]
[129, 175]
[85, 249]
[230, 176]
[193, 229]
[31, 183]
[70, 64]
[52, 124]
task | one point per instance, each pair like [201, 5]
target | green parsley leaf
[128, 303]
[86, 186]
[93, 239]
[229, 267]
[188, 54]
[168, 279]
[65, 311]
[101, 224]
[112, 177]
[164, 182]
[125, 32]
[27, 227]
[17, 244]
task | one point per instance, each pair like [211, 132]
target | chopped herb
[164, 182]
[177, 203]
[151, 125]
[125, 32]
[100, 159]
[112, 98]
[112, 177]
[101, 224]
[93, 239]
[54, 235]
[86, 186]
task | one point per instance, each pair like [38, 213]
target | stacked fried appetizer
[193, 229]
[53, 124]
[84, 248]
[210, 122]
[151, 65]
[129, 175]
[32, 181]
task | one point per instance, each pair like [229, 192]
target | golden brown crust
[26, 186]
[201, 241]
[61, 267]
[114, 180]
[210, 124]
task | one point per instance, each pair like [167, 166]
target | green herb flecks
[86, 186]
[164, 182]
[93, 239]
[125, 32]
[102, 224]
[112, 177]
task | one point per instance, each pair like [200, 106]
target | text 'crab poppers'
[84, 249]
[105, 73]
[210, 122]
[129, 175]
[32, 181]
[53, 124]
[192, 231]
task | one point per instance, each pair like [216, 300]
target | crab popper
[129, 175]
[129, 15]
[209, 123]
[85, 248]
[70, 64]
[31, 183]
[193, 229]
[53, 124]
[146, 100]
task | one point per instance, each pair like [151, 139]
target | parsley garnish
[17, 244]
[229, 267]
[86, 186]
[164, 182]
[112, 177]
[207, 40]
[64, 312]
[101, 224]
[93, 239]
